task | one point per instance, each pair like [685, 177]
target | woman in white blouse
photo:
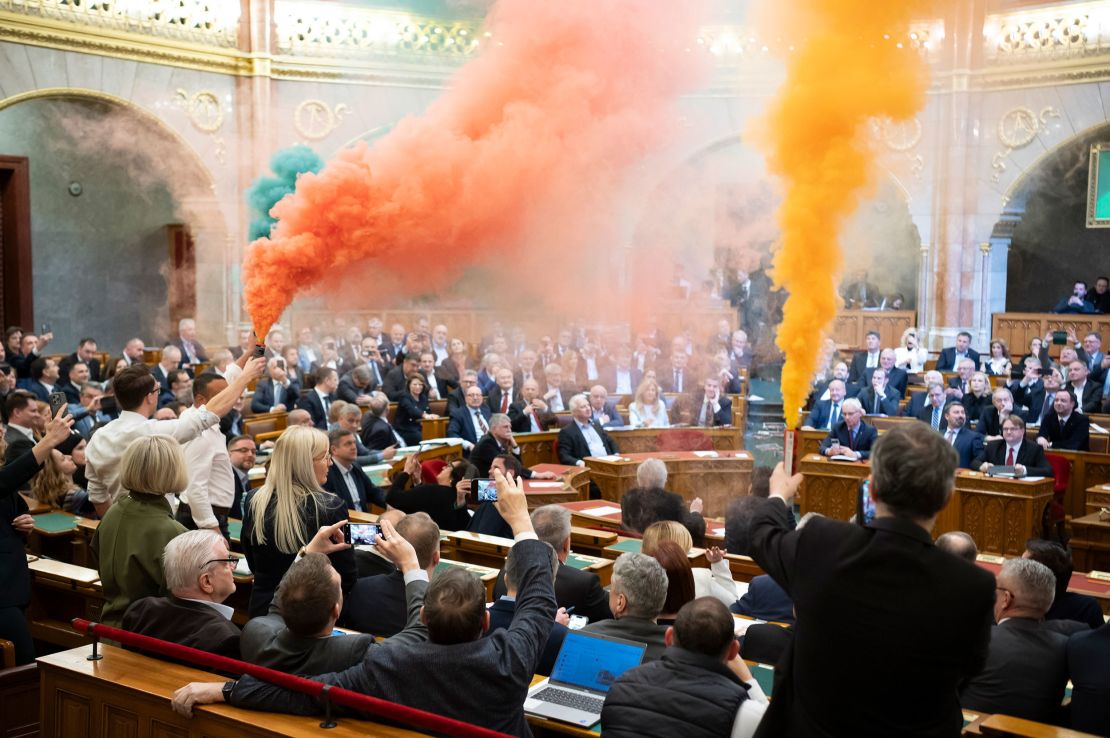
[910, 355]
[647, 409]
[716, 581]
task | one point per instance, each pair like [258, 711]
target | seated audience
[1088, 394]
[54, 485]
[699, 684]
[534, 415]
[680, 579]
[1076, 302]
[583, 437]
[346, 479]
[377, 434]
[1026, 668]
[318, 400]
[967, 442]
[910, 357]
[281, 516]
[426, 675]
[1087, 655]
[932, 410]
[604, 413]
[377, 603]
[649, 501]
[412, 407]
[439, 489]
[1029, 389]
[499, 440]
[355, 386]
[129, 541]
[21, 416]
[977, 397]
[1064, 427]
[896, 378]
[716, 581]
[471, 421]
[826, 413]
[998, 365]
[878, 398]
[637, 592]
[299, 417]
[1002, 406]
[866, 359]
[851, 437]
[198, 570]
[350, 418]
[713, 408]
[647, 409]
[951, 356]
[959, 544]
[1065, 605]
[919, 398]
[277, 392]
[1014, 450]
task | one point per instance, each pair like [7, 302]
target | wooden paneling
[1018, 329]
[850, 326]
[19, 701]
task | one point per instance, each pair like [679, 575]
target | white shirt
[325, 402]
[1078, 390]
[351, 487]
[441, 353]
[555, 404]
[593, 439]
[475, 413]
[591, 369]
[750, 712]
[219, 607]
[624, 382]
[210, 476]
[107, 445]
[1010, 448]
[49, 387]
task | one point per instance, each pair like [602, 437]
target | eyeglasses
[243, 450]
[230, 562]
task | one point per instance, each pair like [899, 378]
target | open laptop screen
[594, 662]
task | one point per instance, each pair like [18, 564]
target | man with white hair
[198, 569]
[896, 377]
[1026, 668]
[637, 592]
[192, 352]
[170, 362]
[851, 437]
[920, 398]
[649, 501]
[583, 437]
[960, 385]
[440, 344]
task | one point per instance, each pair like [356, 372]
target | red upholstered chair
[1054, 514]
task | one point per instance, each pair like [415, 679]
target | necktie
[936, 418]
[852, 438]
[950, 436]
[876, 402]
[481, 421]
[1010, 458]
[834, 416]
[504, 402]
[677, 380]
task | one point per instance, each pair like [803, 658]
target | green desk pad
[632, 545]
[480, 571]
[235, 529]
[765, 675]
[55, 522]
[576, 562]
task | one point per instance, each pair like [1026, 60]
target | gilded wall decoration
[314, 119]
[1017, 129]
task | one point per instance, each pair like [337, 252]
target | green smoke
[265, 192]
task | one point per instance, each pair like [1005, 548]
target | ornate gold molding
[1017, 129]
[315, 119]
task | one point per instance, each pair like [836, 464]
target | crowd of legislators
[157, 452]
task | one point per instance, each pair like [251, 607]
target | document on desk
[545, 485]
[706, 454]
[602, 511]
[1031, 479]
[610, 457]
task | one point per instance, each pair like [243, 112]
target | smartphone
[485, 490]
[362, 534]
[280, 364]
[865, 506]
[45, 328]
[57, 400]
[1059, 338]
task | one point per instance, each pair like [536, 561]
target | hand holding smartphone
[362, 534]
[484, 490]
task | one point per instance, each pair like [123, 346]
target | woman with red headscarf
[439, 489]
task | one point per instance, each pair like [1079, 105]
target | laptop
[586, 666]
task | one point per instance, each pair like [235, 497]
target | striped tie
[936, 418]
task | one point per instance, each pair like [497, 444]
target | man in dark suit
[456, 398]
[866, 359]
[396, 380]
[1064, 428]
[950, 357]
[605, 413]
[575, 588]
[675, 375]
[1088, 394]
[534, 415]
[835, 571]
[1026, 668]
[1088, 653]
[968, 443]
[896, 378]
[86, 352]
[1026, 457]
[73, 381]
[932, 412]
[919, 398]
[878, 398]
[426, 675]
[346, 480]
[499, 440]
[1091, 354]
[44, 377]
[851, 437]
[317, 400]
[377, 434]
[471, 422]
[377, 603]
[766, 643]
[1029, 390]
[554, 393]
[713, 408]
[355, 386]
[277, 392]
[23, 420]
[192, 352]
[503, 396]
[621, 377]
[198, 568]
[826, 413]
[765, 600]
[503, 610]
[582, 437]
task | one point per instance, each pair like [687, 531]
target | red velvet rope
[337, 695]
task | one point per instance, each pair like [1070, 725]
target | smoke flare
[854, 63]
[513, 171]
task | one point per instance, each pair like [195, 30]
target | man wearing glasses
[242, 451]
[1013, 450]
[198, 569]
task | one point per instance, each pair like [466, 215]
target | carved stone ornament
[314, 120]
[204, 109]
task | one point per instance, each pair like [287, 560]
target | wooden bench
[1012, 727]
[59, 593]
[19, 699]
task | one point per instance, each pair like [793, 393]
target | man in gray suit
[427, 675]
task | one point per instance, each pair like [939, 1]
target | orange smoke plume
[854, 63]
[513, 172]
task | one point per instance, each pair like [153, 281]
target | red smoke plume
[513, 171]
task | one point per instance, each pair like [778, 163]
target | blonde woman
[979, 398]
[647, 409]
[282, 515]
[911, 355]
[129, 541]
[716, 581]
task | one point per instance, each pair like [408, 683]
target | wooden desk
[478, 548]
[716, 480]
[59, 593]
[1097, 497]
[574, 481]
[129, 694]
[1090, 543]
[830, 487]
[590, 541]
[487, 574]
[582, 514]
[851, 326]
[539, 448]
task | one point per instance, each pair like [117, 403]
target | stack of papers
[602, 511]
[706, 454]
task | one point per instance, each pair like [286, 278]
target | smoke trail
[267, 190]
[854, 63]
[513, 171]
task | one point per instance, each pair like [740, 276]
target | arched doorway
[123, 218]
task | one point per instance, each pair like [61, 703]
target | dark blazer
[347, 390]
[765, 600]
[16, 444]
[184, 622]
[1075, 435]
[989, 423]
[407, 419]
[199, 350]
[72, 393]
[608, 378]
[376, 433]
[575, 588]
[1025, 673]
[766, 643]
[16, 591]
[969, 445]
[947, 360]
[665, 379]
[819, 416]
[455, 399]
[377, 605]
[269, 564]
[523, 421]
[501, 616]
[263, 398]
[975, 406]
[1032, 397]
[393, 385]
[866, 435]
[437, 501]
[503, 663]
[858, 367]
[483, 453]
[573, 447]
[917, 401]
[925, 415]
[888, 403]
[896, 379]
[67, 363]
[721, 417]
[1087, 656]
[1092, 396]
[461, 424]
[1030, 455]
[936, 613]
[493, 400]
[367, 493]
[641, 507]
[310, 401]
[40, 391]
[617, 420]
